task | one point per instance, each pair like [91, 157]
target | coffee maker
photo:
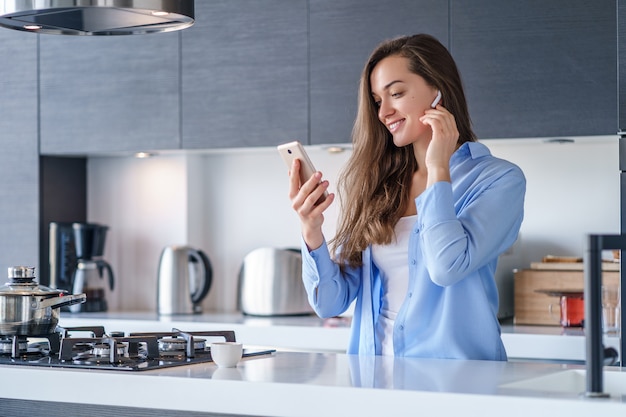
[76, 263]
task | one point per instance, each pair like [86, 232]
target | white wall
[572, 190]
[231, 202]
[144, 202]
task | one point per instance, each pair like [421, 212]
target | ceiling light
[142, 155]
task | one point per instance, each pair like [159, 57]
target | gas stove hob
[93, 348]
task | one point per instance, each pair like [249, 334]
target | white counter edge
[275, 399]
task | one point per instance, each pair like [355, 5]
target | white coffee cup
[226, 354]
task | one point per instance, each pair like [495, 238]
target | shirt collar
[472, 149]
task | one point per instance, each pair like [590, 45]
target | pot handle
[61, 301]
[104, 266]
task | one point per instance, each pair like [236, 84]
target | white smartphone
[437, 100]
[295, 150]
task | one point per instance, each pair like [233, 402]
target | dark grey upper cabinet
[109, 94]
[621, 27]
[343, 34]
[244, 77]
[19, 161]
[537, 68]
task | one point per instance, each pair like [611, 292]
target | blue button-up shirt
[450, 309]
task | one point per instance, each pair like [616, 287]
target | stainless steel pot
[29, 309]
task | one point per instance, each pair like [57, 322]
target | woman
[427, 210]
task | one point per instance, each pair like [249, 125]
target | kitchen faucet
[596, 355]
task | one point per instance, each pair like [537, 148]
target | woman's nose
[384, 110]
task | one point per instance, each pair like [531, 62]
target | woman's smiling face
[402, 97]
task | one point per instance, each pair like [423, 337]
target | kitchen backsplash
[230, 202]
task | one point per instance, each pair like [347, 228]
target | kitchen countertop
[315, 384]
[310, 333]
[308, 376]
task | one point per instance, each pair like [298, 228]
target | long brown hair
[375, 184]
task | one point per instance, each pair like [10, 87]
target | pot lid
[22, 282]
[97, 17]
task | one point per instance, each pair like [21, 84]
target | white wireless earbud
[437, 100]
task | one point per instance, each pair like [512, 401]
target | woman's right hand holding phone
[303, 200]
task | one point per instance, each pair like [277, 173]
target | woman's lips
[393, 126]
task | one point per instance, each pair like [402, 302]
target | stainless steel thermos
[184, 279]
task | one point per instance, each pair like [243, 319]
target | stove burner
[16, 346]
[83, 347]
[176, 344]
[6, 345]
[103, 349]
[93, 348]
[190, 350]
[94, 361]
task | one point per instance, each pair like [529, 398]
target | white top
[392, 261]
[291, 384]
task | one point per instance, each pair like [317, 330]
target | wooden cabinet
[244, 74]
[342, 36]
[19, 188]
[537, 69]
[109, 94]
[532, 307]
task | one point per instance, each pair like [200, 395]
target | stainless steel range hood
[96, 17]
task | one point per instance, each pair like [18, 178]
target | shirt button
[410, 294]
[413, 262]
[402, 327]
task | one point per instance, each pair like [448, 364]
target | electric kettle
[184, 279]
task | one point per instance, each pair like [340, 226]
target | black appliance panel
[63, 259]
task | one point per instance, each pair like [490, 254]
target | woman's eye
[396, 95]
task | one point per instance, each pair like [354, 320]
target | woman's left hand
[443, 143]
